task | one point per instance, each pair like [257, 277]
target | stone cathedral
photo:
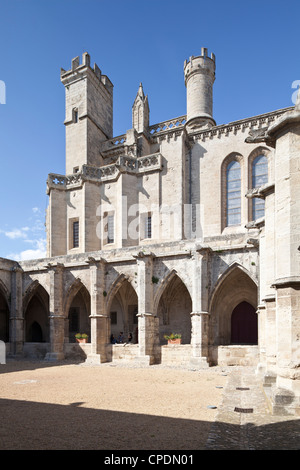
[184, 226]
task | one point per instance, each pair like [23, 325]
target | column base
[145, 360]
[284, 403]
[96, 359]
[54, 357]
[199, 362]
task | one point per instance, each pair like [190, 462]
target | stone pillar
[200, 314]
[286, 395]
[267, 305]
[57, 319]
[285, 134]
[100, 320]
[148, 323]
[270, 333]
[16, 313]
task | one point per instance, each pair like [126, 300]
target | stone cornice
[290, 281]
[112, 172]
[258, 121]
[261, 192]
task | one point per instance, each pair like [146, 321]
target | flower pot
[81, 340]
[174, 341]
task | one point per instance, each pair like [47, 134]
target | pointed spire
[140, 111]
[141, 91]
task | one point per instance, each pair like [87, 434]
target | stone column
[100, 320]
[286, 134]
[16, 313]
[148, 323]
[200, 314]
[266, 299]
[57, 319]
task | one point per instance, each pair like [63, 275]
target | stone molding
[105, 173]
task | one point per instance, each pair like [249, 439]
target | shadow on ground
[15, 365]
[40, 426]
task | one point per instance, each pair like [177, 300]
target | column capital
[203, 249]
[93, 261]
[146, 314]
[17, 269]
[55, 267]
[200, 313]
[99, 315]
[144, 254]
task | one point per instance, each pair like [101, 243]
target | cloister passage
[244, 324]
[78, 320]
[4, 319]
[174, 310]
[36, 315]
[233, 307]
[123, 308]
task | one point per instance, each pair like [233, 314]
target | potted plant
[81, 337]
[173, 338]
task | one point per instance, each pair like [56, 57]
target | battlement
[77, 67]
[200, 63]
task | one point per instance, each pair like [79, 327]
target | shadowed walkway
[244, 420]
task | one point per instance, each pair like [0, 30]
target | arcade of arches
[232, 320]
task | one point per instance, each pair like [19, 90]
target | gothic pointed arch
[36, 313]
[4, 291]
[71, 292]
[77, 307]
[122, 307]
[163, 284]
[260, 150]
[235, 286]
[114, 289]
[173, 307]
[260, 172]
[232, 177]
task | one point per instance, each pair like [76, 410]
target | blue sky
[257, 60]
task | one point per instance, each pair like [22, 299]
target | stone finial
[140, 111]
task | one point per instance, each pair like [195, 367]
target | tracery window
[259, 178]
[76, 234]
[110, 229]
[233, 193]
[148, 226]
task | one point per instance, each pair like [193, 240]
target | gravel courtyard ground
[76, 406]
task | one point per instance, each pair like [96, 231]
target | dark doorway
[244, 324]
[36, 333]
[4, 319]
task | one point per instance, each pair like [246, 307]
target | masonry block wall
[181, 225]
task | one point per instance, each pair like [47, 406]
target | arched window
[233, 193]
[259, 178]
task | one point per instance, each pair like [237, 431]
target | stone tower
[199, 73]
[88, 113]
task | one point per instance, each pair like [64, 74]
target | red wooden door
[244, 324]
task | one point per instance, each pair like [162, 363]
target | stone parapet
[105, 173]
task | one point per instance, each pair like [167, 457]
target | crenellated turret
[199, 75]
[88, 112]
